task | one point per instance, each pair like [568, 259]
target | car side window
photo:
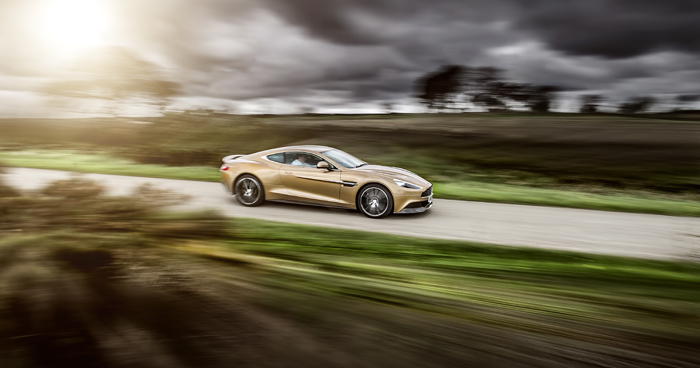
[302, 159]
[276, 157]
[289, 157]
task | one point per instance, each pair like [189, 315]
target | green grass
[503, 193]
[319, 245]
[462, 190]
[611, 301]
[101, 163]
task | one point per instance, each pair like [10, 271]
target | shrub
[84, 281]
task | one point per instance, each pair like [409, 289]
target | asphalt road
[635, 235]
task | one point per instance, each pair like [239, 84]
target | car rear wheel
[375, 201]
[249, 191]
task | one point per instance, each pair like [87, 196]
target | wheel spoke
[248, 191]
[374, 202]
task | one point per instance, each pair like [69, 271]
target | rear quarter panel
[266, 171]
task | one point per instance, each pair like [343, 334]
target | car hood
[394, 173]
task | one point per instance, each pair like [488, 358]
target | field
[645, 164]
[129, 283]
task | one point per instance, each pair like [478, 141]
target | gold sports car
[324, 176]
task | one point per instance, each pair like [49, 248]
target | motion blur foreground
[89, 280]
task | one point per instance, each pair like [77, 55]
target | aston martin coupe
[324, 176]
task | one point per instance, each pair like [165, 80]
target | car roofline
[310, 148]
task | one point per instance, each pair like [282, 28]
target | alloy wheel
[374, 201]
[248, 191]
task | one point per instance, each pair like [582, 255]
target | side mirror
[322, 165]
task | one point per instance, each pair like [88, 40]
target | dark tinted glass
[311, 159]
[276, 157]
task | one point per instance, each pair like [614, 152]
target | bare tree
[589, 103]
[439, 90]
[485, 87]
[388, 107]
[536, 98]
[637, 105]
[541, 98]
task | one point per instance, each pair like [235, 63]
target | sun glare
[71, 25]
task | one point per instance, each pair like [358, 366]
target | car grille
[427, 192]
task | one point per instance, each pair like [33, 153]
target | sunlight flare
[73, 25]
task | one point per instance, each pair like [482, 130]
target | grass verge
[462, 190]
[583, 302]
[100, 163]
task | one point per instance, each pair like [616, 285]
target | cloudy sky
[350, 55]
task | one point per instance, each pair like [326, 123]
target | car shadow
[309, 208]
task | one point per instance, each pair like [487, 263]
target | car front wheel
[249, 191]
[375, 201]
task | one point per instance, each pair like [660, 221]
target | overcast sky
[351, 55]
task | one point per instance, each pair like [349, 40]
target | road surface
[635, 235]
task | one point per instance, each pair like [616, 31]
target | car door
[308, 183]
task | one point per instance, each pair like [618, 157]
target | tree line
[118, 76]
[457, 87]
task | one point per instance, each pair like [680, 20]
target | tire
[249, 191]
[375, 201]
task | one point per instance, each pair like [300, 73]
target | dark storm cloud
[607, 28]
[613, 28]
[371, 49]
[379, 21]
[592, 44]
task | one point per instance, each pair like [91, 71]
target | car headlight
[404, 184]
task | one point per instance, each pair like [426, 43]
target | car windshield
[344, 159]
